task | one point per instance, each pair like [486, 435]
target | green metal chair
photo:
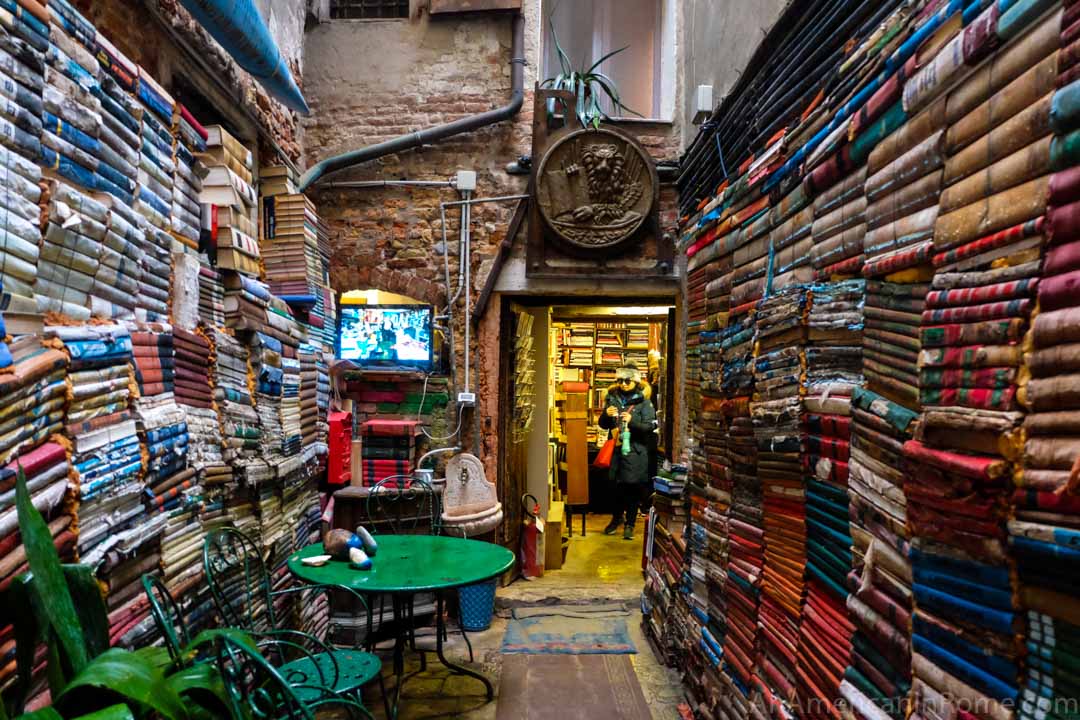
[282, 645]
[242, 590]
[404, 505]
[257, 690]
[168, 616]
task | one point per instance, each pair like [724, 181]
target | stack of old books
[277, 180]
[290, 248]
[227, 187]
[189, 137]
[211, 296]
[388, 448]
[245, 302]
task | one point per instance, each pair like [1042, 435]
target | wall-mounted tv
[386, 335]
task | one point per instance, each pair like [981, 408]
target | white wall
[719, 36]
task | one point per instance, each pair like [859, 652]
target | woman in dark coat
[628, 408]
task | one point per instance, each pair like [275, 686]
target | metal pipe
[241, 31]
[466, 222]
[453, 298]
[439, 132]
[477, 201]
[342, 184]
[436, 451]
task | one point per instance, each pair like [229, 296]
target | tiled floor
[598, 568]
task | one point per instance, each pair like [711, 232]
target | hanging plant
[589, 86]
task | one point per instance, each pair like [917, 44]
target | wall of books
[591, 351]
[163, 354]
[882, 372]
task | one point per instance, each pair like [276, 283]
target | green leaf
[564, 61]
[607, 84]
[90, 606]
[156, 656]
[45, 713]
[200, 686]
[601, 60]
[49, 577]
[16, 603]
[118, 674]
[115, 712]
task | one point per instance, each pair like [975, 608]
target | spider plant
[588, 85]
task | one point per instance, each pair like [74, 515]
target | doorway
[560, 365]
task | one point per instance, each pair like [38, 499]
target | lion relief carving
[591, 188]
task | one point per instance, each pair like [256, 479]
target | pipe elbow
[517, 99]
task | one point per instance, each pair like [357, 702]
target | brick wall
[370, 81]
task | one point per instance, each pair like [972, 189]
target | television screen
[386, 335]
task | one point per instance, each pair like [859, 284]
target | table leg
[399, 650]
[442, 658]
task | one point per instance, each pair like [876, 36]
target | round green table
[409, 564]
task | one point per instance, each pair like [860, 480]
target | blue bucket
[477, 603]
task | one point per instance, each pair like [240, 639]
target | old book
[241, 220]
[219, 156]
[238, 240]
[217, 135]
[232, 259]
[220, 181]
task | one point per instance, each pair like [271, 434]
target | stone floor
[598, 569]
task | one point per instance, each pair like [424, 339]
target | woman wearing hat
[629, 410]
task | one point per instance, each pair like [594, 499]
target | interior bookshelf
[590, 351]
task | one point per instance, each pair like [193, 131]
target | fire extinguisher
[532, 538]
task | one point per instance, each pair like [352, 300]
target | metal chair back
[402, 505]
[256, 690]
[238, 580]
[167, 615]
[253, 688]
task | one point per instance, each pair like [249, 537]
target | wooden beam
[500, 257]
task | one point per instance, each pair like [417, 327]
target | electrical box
[703, 104]
[466, 180]
[467, 399]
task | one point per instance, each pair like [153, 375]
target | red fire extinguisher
[532, 538]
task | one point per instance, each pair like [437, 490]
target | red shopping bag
[603, 458]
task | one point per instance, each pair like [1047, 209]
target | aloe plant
[62, 606]
[589, 85]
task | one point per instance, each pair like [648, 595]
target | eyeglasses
[626, 381]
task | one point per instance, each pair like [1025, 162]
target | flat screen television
[388, 336]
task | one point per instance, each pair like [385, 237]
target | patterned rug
[569, 630]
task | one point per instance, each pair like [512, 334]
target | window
[589, 29]
[368, 9]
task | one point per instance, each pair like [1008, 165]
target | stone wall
[152, 33]
[371, 81]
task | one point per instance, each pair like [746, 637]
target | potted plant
[61, 607]
[589, 85]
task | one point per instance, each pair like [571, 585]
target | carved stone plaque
[595, 188]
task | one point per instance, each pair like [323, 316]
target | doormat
[597, 686]
[569, 630]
